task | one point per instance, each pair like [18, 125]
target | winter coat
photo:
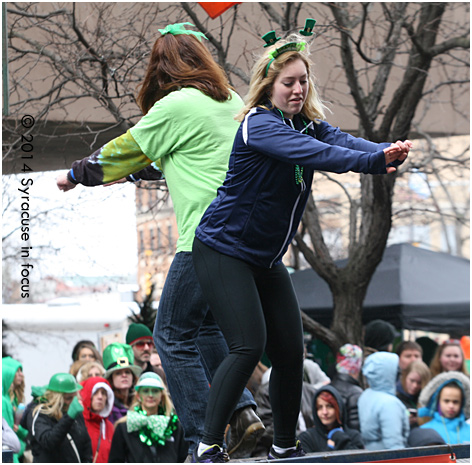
[315, 439]
[259, 206]
[350, 391]
[409, 401]
[455, 430]
[9, 368]
[127, 447]
[99, 428]
[62, 441]
[383, 417]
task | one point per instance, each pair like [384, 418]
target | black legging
[256, 309]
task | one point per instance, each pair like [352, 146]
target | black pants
[256, 309]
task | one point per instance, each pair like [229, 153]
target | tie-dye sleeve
[115, 160]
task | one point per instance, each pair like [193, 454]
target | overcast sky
[93, 229]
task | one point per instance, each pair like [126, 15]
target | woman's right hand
[63, 183]
[397, 151]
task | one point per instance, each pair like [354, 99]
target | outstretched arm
[116, 159]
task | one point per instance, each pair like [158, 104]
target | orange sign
[215, 9]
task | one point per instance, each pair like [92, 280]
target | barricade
[429, 454]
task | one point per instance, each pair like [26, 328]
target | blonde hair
[53, 405]
[261, 85]
[84, 370]
[418, 366]
[166, 404]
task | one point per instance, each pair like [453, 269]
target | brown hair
[17, 392]
[435, 365]
[87, 345]
[181, 61]
[408, 345]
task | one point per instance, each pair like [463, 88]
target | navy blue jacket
[257, 210]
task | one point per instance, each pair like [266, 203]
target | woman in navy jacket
[246, 230]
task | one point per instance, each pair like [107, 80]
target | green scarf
[153, 429]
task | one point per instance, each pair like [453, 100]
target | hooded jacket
[452, 430]
[350, 391]
[99, 428]
[63, 441]
[259, 206]
[383, 417]
[315, 439]
[9, 368]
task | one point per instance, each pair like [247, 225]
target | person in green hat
[122, 374]
[151, 431]
[57, 427]
[13, 397]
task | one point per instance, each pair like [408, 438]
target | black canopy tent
[412, 288]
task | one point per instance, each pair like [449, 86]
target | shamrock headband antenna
[179, 28]
[271, 39]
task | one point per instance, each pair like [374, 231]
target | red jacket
[99, 428]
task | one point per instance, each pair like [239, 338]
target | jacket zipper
[294, 209]
[303, 187]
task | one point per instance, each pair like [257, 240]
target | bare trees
[388, 53]
[400, 68]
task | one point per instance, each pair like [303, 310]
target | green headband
[178, 28]
[270, 39]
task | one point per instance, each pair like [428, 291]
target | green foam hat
[63, 382]
[117, 356]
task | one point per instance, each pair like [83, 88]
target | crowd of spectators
[115, 407]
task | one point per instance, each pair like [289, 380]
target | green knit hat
[137, 331]
[117, 356]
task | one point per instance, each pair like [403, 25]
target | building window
[141, 241]
[153, 238]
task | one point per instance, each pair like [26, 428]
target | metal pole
[5, 77]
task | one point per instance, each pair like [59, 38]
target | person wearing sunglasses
[139, 337]
[151, 431]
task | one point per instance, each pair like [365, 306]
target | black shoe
[245, 430]
[213, 454]
[292, 453]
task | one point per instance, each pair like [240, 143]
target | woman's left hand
[397, 151]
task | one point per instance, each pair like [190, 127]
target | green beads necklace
[298, 169]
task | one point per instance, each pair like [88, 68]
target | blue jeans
[190, 345]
